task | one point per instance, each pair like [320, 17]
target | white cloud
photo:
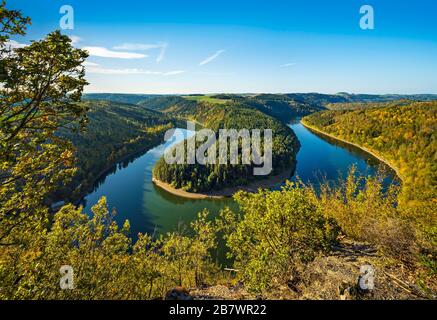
[105, 53]
[100, 70]
[162, 53]
[145, 47]
[90, 64]
[172, 73]
[211, 58]
[12, 44]
[288, 65]
[137, 46]
[75, 39]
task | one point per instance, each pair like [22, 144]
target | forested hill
[119, 97]
[367, 105]
[164, 103]
[281, 106]
[115, 130]
[214, 177]
[278, 106]
[404, 135]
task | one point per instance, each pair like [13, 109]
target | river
[130, 191]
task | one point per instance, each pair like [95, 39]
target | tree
[12, 23]
[275, 234]
[40, 87]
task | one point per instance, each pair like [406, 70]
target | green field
[205, 99]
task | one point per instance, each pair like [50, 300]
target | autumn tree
[40, 86]
[40, 91]
[275, 234]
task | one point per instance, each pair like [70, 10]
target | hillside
[114, 131]
[202, 178]
[119, 97]
[367, 105]
[162, 103]
[278, 106]
[403, 134]
[281, 106]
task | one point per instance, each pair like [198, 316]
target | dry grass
[335, 277]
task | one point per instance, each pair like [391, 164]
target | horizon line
[262, 92]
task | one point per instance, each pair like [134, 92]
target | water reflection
[129, 189]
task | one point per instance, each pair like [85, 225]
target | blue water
[130, 191]
[321, 159]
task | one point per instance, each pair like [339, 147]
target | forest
[317, 100]
[114, 131]
[403, 133]
[201, 178]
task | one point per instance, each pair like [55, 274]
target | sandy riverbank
[227, 192]
[377, 156]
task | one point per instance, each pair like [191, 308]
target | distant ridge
[314, 98]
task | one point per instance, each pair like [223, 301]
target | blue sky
[248, 46]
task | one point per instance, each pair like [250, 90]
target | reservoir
[149, 209]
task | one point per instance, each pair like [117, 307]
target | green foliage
[120, 97]
[283, 107]
[366, 105]
[12, 22]
[208, 99]
[105, 264]
[166, 103]
[39, 105]
[404, 135]
[38, 95]
[367, 212]
[114, 132]
[200, 178]
[275, 234]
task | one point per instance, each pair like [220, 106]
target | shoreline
[227, 192]
[102, 173]
[372, 153]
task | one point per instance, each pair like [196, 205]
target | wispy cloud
[137, 46]
[211, 58]
[90, 64]
[175, 72]
[100, 70]
[145, 47]
[12, 44]
[106, 53]
[162, 53]
[75, 39]
[288, 65]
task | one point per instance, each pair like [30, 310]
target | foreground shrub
[275, 233]
[366, 211]
[105, 264]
